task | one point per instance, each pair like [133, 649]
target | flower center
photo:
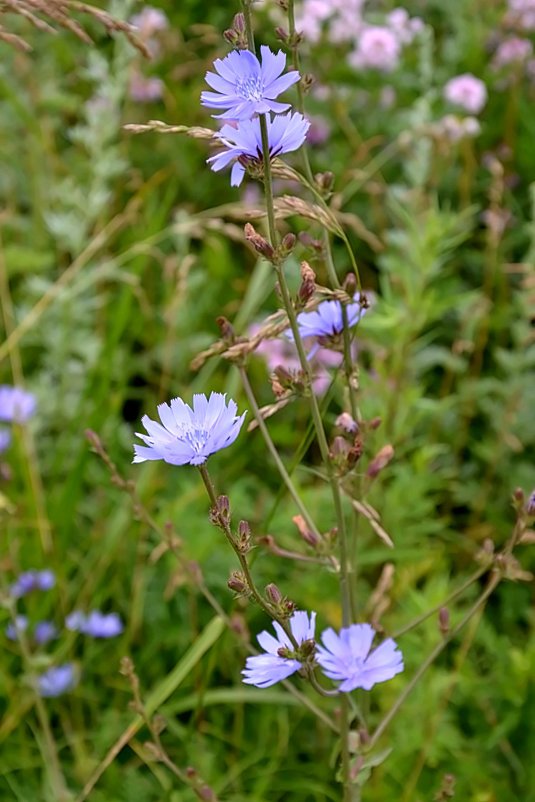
[250, 88]
[196, 437]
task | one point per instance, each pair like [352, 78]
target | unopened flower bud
[374, 423]
[307, 82]
[444, 620]
[287, 244]
[306, 533]
[309, 242]
[273, 593]
[380, 461]
[223, 507]
[308, 283]
[244, 536]
[259, 243]
[237, 582]
[325, 181]
[226, 329]
[239, 22]
[281, 34]
[350, 284]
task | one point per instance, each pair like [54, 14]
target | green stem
[275, 454]
[493, 582]
[421, 618]
[246, 6]
[324, 449]
[257, 596]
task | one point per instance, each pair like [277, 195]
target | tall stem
[345, 590]
[255, 593]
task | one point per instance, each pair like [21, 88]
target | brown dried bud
[374, 423]
[287, 244]
[307, 81]
[237, 582]
[223, 507]
[308, 284]
[325, 181]
[306, 533]
[244, 536]
[380, 461]
[281, 34]
[309, 242]
[226, 329]
[259, 243]
[350, 284]
[444, 620]
[273, 593]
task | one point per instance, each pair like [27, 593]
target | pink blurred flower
[145, 90]
[512, 51]
[466, 91]
[403, 26]
[377, 48]
[149, 21]
[522, 14]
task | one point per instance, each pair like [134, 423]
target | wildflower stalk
[246, 5]
[223, 523]
[274, 453]
[324, 449]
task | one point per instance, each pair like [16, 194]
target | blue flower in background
[44, 632]
[327, 320]
[57, 680]
[32, 580]
[13, 629]
[16, 405]
[286, 132]
[189, 435]
[347, 657]
[244, 87]
[264, 670]
[96, 624]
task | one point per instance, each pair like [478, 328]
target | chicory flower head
[327, 321]
[45, 631]
[286, 132]
[32, 580]
[16, 405]
[347, 657]
[96, 624]
[245, 87]
[57, 680]
[189, 435]
[266, 669]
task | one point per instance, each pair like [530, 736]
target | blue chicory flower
[44, 632]
[189, 435]
[264, 670]
[32, 580]
[244, 87]
[96, 624]
[16, 404]
[20, 624]
[57, 680]
[286, 132]
[347, 657]
[326, 321]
